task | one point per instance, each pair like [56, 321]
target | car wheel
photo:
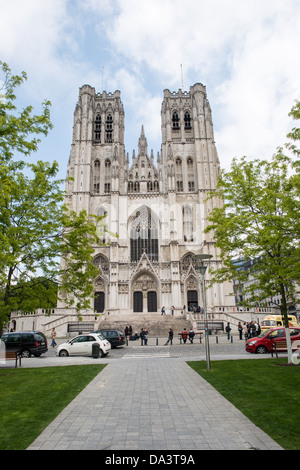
[63, 353]
[261, 350]
[26, 353]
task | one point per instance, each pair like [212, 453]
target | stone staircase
[157, 325]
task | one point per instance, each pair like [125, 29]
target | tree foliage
[37, 231]
[258, 223]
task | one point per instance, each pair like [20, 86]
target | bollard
[156, 341]
[231, 338]
[217, 339]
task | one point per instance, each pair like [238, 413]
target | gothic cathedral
[156, 206]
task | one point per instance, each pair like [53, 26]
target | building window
[190, 175]
[188, 224]
[179, 186]
[143, 236]
[175, 120]
[107, 176]
[178, 175]
[97, 177]
[109, 129]
[187, 121]
[97, 128]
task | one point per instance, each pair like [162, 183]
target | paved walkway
[151, 403]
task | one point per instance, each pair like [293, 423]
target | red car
[262, 344]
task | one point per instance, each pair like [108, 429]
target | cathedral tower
[157, 207]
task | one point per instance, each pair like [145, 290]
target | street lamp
[200, 259]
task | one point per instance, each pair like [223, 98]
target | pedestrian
[258, 329]
[184, 335]
[172, 310]
[130, 331]
[53, 336]
[191, 335]
[228, 330]
[126, 331]
[246, 331]
[142, 336]
[170, 338]
[163, 311]
[240, 328]
[145, 336]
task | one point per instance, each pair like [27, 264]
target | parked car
[262, 344]
[82, 345]
[27, 343]
[115, 337]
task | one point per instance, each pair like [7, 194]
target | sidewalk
[151, 404]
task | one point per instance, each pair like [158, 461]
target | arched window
[102, 225]
[187, 120]
[97, 128]
[188, 224]
[190, 174]
[175, 120]
[143, 236]
[97, 177]
[107, 176]
[109, 129]
[178, 175]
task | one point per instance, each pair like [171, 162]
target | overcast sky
[245, 53]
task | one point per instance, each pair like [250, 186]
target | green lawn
[267, 391]
[32, 398]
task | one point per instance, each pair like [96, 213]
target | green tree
[258, 222]
[41, 240]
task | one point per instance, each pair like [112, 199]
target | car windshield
[101, 337]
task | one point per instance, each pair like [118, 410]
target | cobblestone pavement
[148, 398]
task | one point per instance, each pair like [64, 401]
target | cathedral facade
[156, 206]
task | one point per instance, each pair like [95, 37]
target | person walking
[170, 338]
[53, 336]
[163, 311]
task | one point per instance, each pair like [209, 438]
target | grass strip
[267, 391]
[31, 398]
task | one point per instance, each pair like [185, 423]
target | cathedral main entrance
[145, 298]
[138, 301]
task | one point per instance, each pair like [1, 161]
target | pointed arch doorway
[145, 293]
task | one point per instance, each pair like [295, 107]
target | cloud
[246, 53]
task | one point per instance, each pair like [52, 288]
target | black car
[115, 337]
[25, 342]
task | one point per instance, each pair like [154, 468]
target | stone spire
[143, 143]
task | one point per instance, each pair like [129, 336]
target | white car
[82, 345]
